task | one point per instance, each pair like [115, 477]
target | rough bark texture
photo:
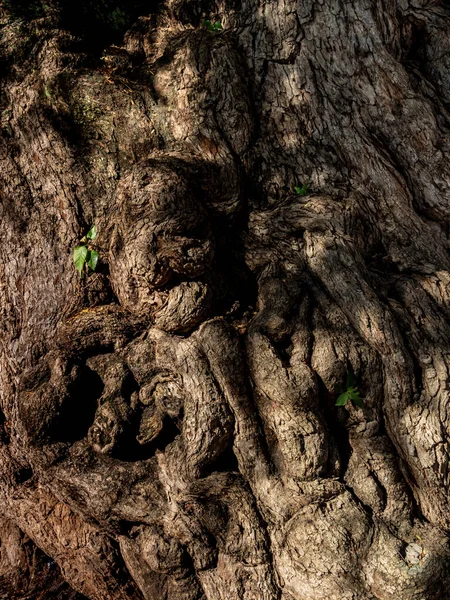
[168, 423]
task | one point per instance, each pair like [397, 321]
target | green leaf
[217, 26]
[92, 233]
[301, 190]
[79, 258]
[358, 402]
[343, 399]
[355, 397]
[92, 259]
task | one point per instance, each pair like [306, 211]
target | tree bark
[271, 197]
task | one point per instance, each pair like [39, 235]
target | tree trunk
[270, 184]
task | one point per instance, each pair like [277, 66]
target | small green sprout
[301, 190]
[210, 26]
[350, 393]
[84, 254]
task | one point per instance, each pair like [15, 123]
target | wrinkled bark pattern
[168, 428]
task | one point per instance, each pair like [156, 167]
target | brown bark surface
[168, 428]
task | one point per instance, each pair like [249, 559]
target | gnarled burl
[168, 426]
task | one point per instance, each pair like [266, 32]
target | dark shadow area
[236, 288]
[78, 410]
[415, 54]
[226, 462]
[98, 23]
[4, 437]
[24, 475]
[26, 9]
[130, 450]
[336, 421]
